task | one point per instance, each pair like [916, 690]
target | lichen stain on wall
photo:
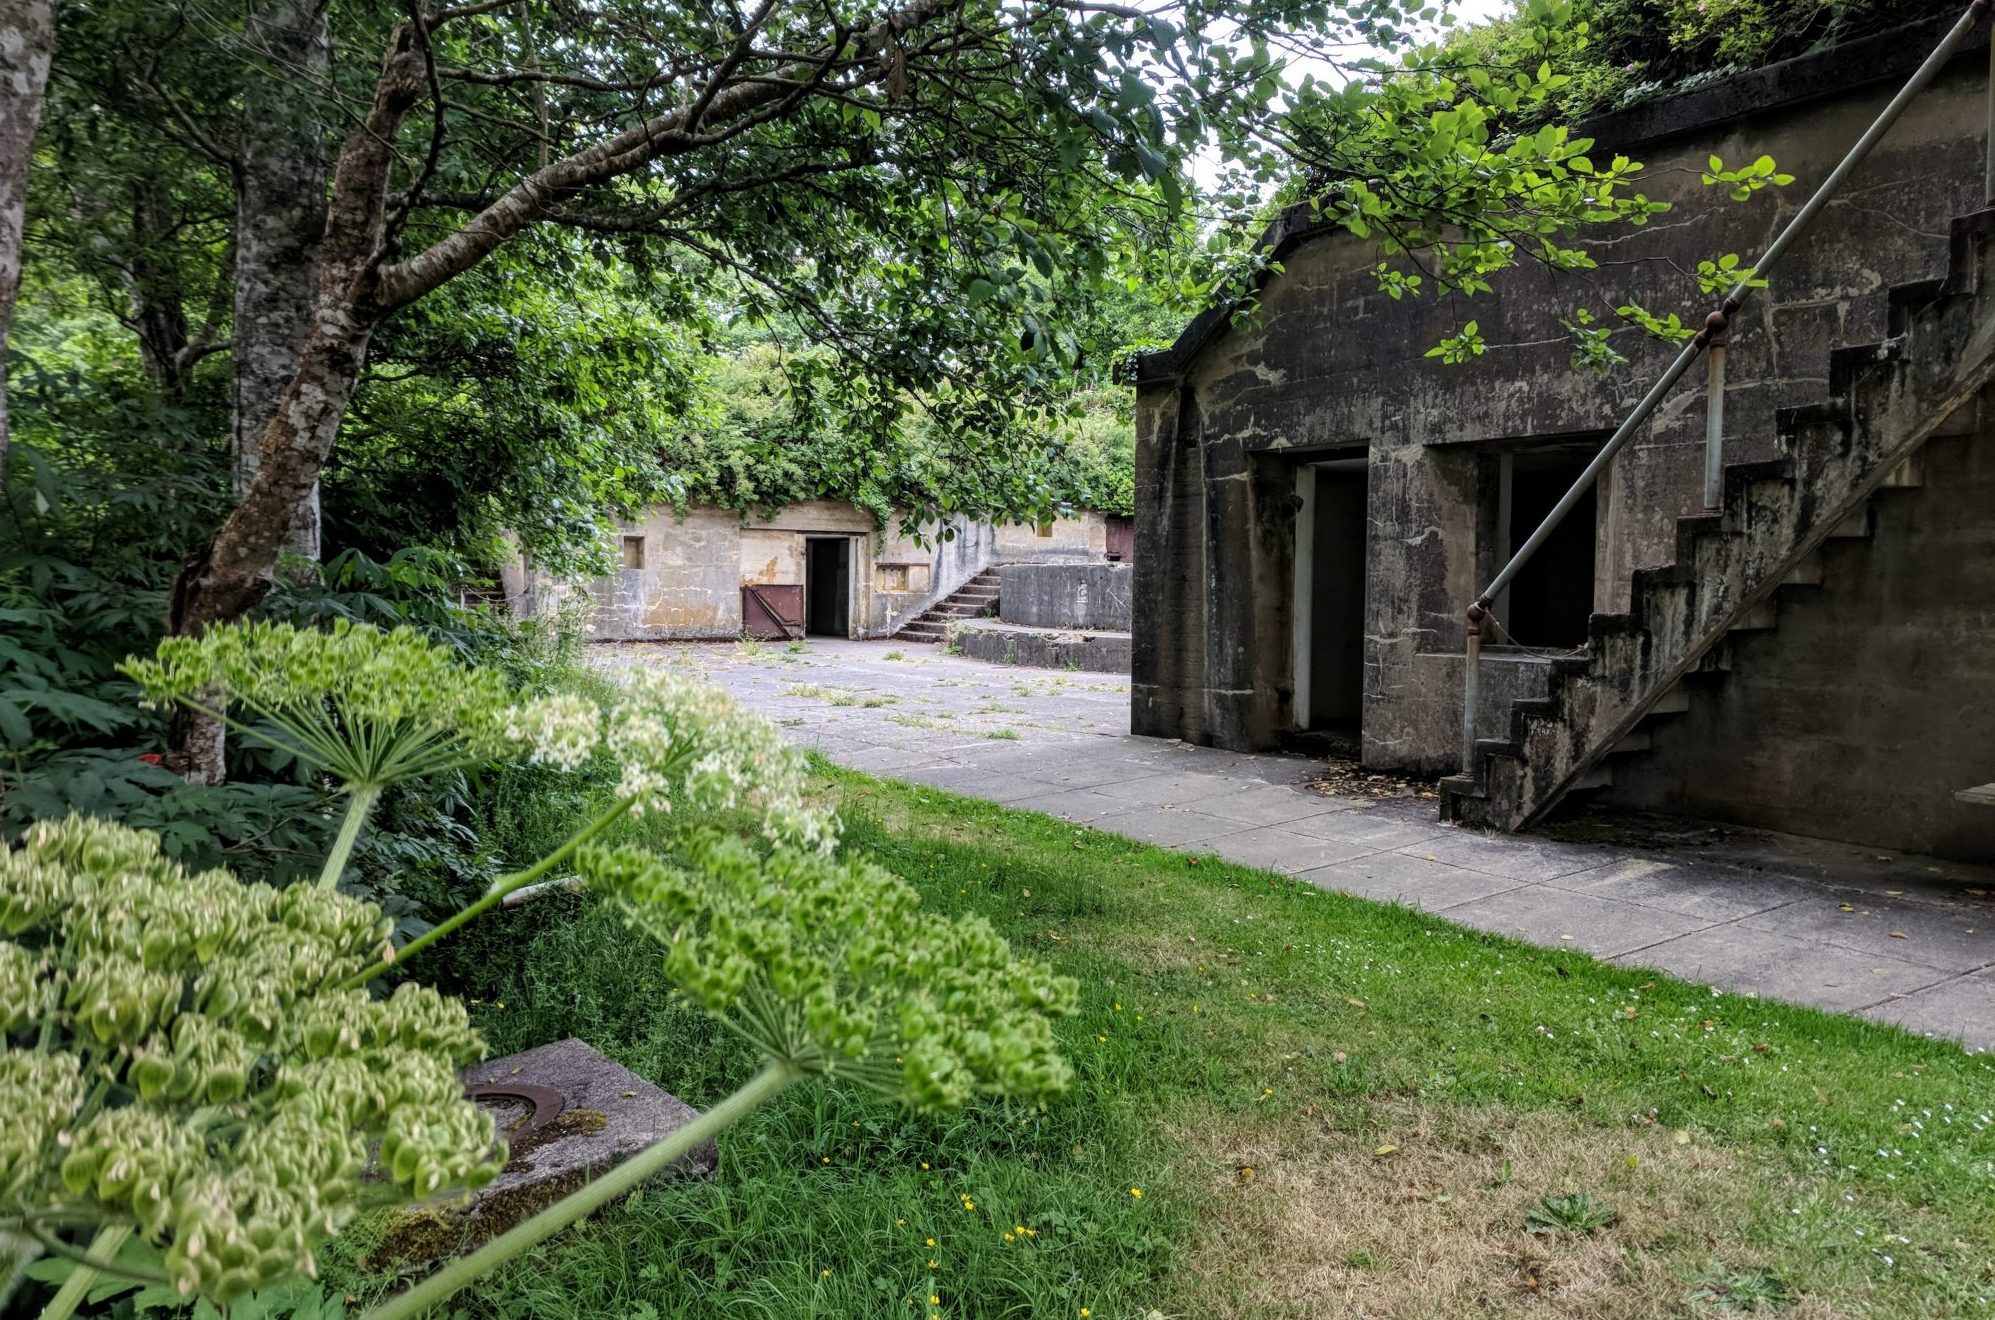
[686, 610]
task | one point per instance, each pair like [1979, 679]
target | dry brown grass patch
[1314, 1222]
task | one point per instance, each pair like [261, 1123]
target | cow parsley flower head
[371, 707]
[194, 1074]
[833, 968]
[560, 730]
[687, 747]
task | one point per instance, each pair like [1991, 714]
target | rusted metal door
[772, 612]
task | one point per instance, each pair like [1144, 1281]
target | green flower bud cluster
[833, 967]
[688, 746]
[18, 972]
[175, 1055]
[41, 1090]
[373, 677]
[371, 707]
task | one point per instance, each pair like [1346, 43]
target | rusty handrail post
[1711, 336]
[1471, 690]
[1714, 414]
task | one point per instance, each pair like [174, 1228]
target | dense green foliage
[1642, 49]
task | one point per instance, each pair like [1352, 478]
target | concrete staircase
[1732, 565]
[974, 599]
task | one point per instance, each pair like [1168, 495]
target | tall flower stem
[504, 885]
[103, 1247]
[359, 802]
[626, 1178]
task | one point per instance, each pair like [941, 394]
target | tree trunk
[280, 183]
[158, 318]
[234, 571]
[27, 42]
[280, 218]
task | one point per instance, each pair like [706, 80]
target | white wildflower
[560, 730]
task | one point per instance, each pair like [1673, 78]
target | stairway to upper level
[974, 599]
[1886, 400]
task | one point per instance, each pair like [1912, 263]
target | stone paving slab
[1393, 877]
[1897, 939]
[1738, 957]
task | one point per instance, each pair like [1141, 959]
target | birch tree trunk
[27, 41]
[235, 570]
[280, 218]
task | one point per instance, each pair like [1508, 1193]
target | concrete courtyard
[1899, 939]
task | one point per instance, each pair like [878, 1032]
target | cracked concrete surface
[1898, 939]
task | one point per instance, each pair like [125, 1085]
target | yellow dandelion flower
[924, 1164]
[1101, 1038]
[1009, 1238]
[824, 1274]
[1085, 1313]
[931, 1242]
[934, 1264]
[824, 1159]
[1267, 1090]
[1018, 1229]
[1136, 1192]
[933, 1300]
[901, 1222]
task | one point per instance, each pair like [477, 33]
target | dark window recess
[1552, 596]
[633, 552]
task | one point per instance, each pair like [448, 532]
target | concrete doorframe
[1302, 630]
[849, 567]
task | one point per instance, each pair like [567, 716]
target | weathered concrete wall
[1331, 367]
[1043, 648]
[1086, 596]
[1873, 701]
[1083, 536]
[690, 582]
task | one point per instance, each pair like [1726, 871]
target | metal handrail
[1712, 336]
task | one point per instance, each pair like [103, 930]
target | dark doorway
[1330, 596]
[828, 585]
[1551, 599]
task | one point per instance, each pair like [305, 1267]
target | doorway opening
[1550, 601]
[828, 586]
[1330, 562]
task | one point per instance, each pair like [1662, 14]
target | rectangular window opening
[1550, 601]
[633, 552]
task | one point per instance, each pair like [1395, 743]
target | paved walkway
[1893, 938]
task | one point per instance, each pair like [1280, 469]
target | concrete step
[1638, 741]
[1807, 573]
[1760, 618]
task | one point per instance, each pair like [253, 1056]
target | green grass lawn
[1286, 1103]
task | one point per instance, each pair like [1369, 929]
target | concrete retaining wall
[1086, 596]
[1044, 648]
